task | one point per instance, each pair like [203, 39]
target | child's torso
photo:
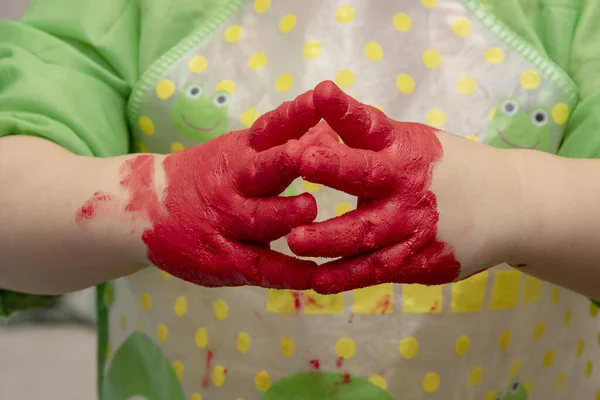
[498, 335]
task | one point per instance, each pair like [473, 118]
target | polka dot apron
[499, 335]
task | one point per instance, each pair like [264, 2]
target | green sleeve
[66, 71]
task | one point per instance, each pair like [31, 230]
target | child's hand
[220, 208]
[432, 208]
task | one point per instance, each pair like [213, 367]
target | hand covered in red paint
[432, 207]
[221, 207]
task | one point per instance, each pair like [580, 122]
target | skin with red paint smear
[221, 207]
[391, 236]
[98, 203]
[209, 358]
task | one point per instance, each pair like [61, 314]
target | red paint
[434, 307]
[258, 315]
[221, 207]
[315, 364]
[99, 201]
[310, 299]
[339, 362]
[351, 319]
[392, 236]
[297, 302]
[209, 358]
[346, 379]
[384, 305]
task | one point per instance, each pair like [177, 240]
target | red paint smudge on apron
[315, 363]
[209, 358]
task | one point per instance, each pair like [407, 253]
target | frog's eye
[510, 107]
[539, 117]
[194, 91]
[498, 396]
[516, 385]
[221, 99]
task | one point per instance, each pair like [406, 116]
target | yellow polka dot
[462, 27]
[475, 376]
[177, 146]
[505, 339]
[594, 310]
[345, 348]
[579, 348]
[146, 301]
[514, 368]
[162, 333]
[405, 83]
[528, 386]
[287, 23]
[201, 338]
[436, 118]
[540, 329]
[165, 275]
[377, 107]
[242, 342]
[345, 14]
[288, 347]
[221, 310]
[598, 395]
[146, 125]
[284, 82]
[466, 85]
[373, 51]
[260, 6]
[549, 358]
[196, 396]
[257, 61]
[378, 380]
[140, 148]
[560, 113]
[262, 381]
[462, 345]
[312, 50]
[178, 368]
[589, 369]
[561, 380]
[429, 3]
[218, 375]
[123, 322]
[226, 86]
[473, 138]
[165, 89]
[492, 113]
[180, 307]
[310, 187]
[490, 396]
[567, 318]
[402, 22]
[494, 55]
[233, 33]
[431, 382]
[432, 59]
[249, 116]
[555, 295]
[198, 64]
[343, 208]
[409, 348]
[530, 79]
[344, 78]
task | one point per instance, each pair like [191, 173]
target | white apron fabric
[498, 335]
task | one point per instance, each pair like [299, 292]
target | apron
[499, 335]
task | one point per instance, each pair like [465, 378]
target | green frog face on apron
[499, 335]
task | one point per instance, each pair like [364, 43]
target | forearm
[560, 239]
[50, 241]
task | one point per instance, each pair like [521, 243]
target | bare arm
[45, 247]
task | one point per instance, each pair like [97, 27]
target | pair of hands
[432, 208]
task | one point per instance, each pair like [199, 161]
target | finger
[289, 121]
[271, 171]
[357, 232]
[357, 172]
[270, 269]
[433, 264]
[321, 135]
[266, 219]
[359, 126]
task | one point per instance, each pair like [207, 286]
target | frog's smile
[196, 128]
[509, 143]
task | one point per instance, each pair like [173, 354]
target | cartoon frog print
[201, 116]
[515, 391]
[514, 128]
